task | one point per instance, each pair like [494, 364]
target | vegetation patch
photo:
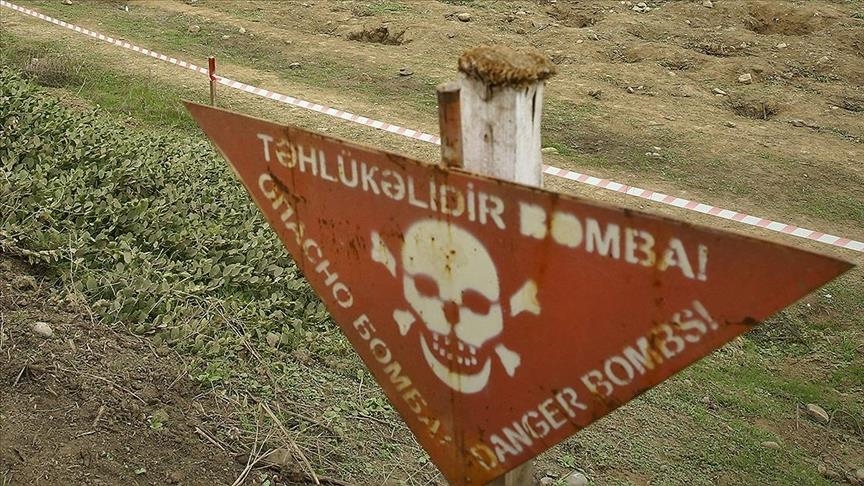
[381, 7]
[153, 229]
[852, 104]
[138, 97]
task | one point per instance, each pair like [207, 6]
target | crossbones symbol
[451, 286]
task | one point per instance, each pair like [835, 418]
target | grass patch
[169, 31]
[377, 8]
[138, 96]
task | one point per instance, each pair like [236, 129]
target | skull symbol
[452, 285]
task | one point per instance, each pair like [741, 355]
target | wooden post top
[503, 66]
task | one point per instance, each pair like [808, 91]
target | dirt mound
[379, 35]
[771, 18]
[571, 16]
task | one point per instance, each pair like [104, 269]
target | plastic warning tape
[426, 137]
[708, 209]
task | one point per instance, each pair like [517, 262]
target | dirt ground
[652, 97]
[91, 405]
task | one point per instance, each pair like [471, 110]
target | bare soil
[93, 406]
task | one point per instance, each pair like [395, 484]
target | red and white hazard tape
[708, 209]
[425, 137]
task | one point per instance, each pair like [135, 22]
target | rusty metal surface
[500, 319]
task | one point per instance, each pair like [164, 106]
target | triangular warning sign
[500, 319]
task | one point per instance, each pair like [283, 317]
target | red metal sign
[500, 319]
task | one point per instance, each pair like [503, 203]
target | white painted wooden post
[501, 102]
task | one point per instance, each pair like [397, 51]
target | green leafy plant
[150, 226]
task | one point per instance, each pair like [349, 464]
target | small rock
[595, 93]
[464, 17]
[294, 65]
[279, 457]
[150, 394]
[272, 339]
[194, 28]
[549, 150]
[43, 329]
[405, 72]
[730, 124]
[746, 78]
[67, 2]
[451, 35]
[708, 4]
[802, 123]
[818, 413]
[630, 90]
[769, 444]
[176, 477]
[576, 479]
[823, 60]
[782, 45]
[718, 92]
[226, 37]
[242, 30]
